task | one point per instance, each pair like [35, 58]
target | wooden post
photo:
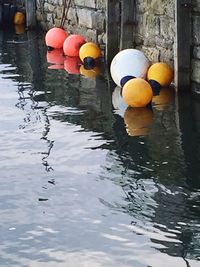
[182, 43]
[30, 13]
[112, 29]
[127, 23]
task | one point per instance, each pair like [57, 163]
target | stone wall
[86, 17]
[154, 30]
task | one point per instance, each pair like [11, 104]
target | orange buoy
[88, 53]
[137, 93]
[72, 65]
[138, 121]
[90, 73]
[160, 74]
[164, 98]
[55, 57]
[72, 45]
[55, 38]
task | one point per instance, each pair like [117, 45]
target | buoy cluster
[140, 80]
[72, 52]
[140, 85]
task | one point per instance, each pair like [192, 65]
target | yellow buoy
[88, 53]
[138, 121]
[137, 93]
[160, 73]
[89, 50]
[19, 18]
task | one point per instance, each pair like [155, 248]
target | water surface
[81, 184]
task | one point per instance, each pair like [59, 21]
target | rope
[65, 12]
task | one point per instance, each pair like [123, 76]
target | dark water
[81, 184]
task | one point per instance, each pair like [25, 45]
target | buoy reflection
[55, 57]
[164, 98]
[72, 65]
[90, 73]
[138, 121]
[19, 29]
[117, 101]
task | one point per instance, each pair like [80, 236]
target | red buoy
[72, 45]
[55, 37]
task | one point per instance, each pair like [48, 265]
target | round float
[72, 45]
[55, 38]
[160, 74]
[88, 53]
[137, 93]
[128, 64]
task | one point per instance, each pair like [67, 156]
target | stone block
[167, 56]
[101, 39]
[49, 8]
[196, 32]
[85, 17]
[167, 27]
[151, 25]
[152, 54]
[85, 3]
[195, 70]
[101, 5]
[196, 52]
[98, 21]
[72, 16]
[56, 22]
[91, 35]
[195, 88]
[59, 12]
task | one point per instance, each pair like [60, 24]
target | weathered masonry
[165, 30]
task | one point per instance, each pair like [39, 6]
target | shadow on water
[157, 169]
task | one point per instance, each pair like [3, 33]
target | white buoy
[128, 63]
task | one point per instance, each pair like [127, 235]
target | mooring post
[183, 44]
[112, 28]
[127, 23]
[30, 13]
